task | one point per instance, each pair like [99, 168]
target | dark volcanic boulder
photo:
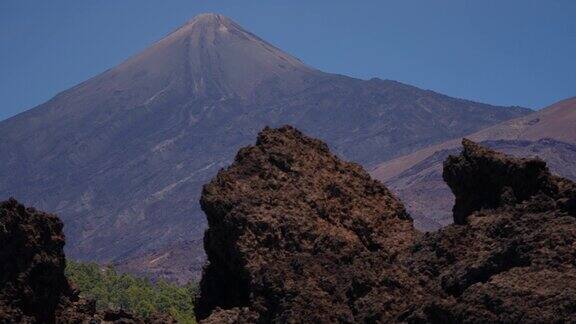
[33, 287]
[514, 258]
[481, 178]
[295, 233]
[32, 282]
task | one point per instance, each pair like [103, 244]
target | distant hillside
[176, 262]
[549, 134]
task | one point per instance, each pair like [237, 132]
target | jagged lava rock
[33, 286]
[295, 233]
[513, 258]
[481, 178]
[32, 282]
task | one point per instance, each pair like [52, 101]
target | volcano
[122, 157]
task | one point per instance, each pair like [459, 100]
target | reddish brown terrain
[296, 234]
[417, 178]
[287, 212]
[122, 157]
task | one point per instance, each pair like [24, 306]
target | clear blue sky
[513, 52]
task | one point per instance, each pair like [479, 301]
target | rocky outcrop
[483, 179]
[32, 281]
[512, 259]
[33, 287]
[295, 234]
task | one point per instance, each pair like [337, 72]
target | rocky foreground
[295, 234]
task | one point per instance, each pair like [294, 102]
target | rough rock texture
[33, 287]
[514, 258]
[481, 179]
[297, 235]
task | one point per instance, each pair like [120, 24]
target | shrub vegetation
[138, 295]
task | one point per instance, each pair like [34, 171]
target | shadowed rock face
[296, 234]
[481, 179]
[32, 264]
[513, 259]
[33, 287]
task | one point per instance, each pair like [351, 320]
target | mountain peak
[208, 26]
[209, 19]
[212, 56]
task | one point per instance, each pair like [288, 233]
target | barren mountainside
[122, 157]
[549, 134]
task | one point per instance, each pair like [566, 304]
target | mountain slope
[122, 157]
[417, 178]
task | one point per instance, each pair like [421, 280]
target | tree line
[113, 290]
